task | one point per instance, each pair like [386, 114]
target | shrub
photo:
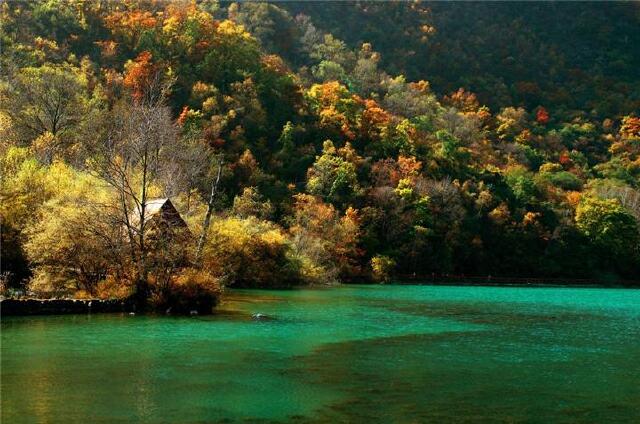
[113, 287]
[193, 289]
[46, 284]
[382, 267]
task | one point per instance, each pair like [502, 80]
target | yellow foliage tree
[75, 240]
[248, 253]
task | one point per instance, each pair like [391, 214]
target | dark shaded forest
[316, 142]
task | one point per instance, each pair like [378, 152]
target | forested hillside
[573, 58]
[316, 142]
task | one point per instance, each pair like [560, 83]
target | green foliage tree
[332, 176]
[613, 231]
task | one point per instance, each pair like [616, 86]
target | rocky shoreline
[12, 307]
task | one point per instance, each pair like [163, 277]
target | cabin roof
[154, 206]
[162, 208]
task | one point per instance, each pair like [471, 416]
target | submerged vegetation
[297, 150]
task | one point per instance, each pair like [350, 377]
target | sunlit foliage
[313, 143]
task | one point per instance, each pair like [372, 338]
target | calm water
[403, 354]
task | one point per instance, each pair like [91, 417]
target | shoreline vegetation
[29, 306]
[25, 305]
[161, 152]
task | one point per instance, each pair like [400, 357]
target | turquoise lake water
[389, 354]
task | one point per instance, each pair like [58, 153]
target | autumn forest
[297, 143]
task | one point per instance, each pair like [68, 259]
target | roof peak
[157, 200]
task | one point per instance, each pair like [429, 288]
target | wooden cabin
[162, 220]
[162, 211]
[167, 235]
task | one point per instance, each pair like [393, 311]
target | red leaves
[565, 159]
[542, 116]
[183, 116]
[140, 74]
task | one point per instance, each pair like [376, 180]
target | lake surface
[392, 354]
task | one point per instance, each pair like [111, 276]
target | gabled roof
[154, 206]
[163, 209]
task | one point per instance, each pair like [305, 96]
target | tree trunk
[207, 218]
[142, 283]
